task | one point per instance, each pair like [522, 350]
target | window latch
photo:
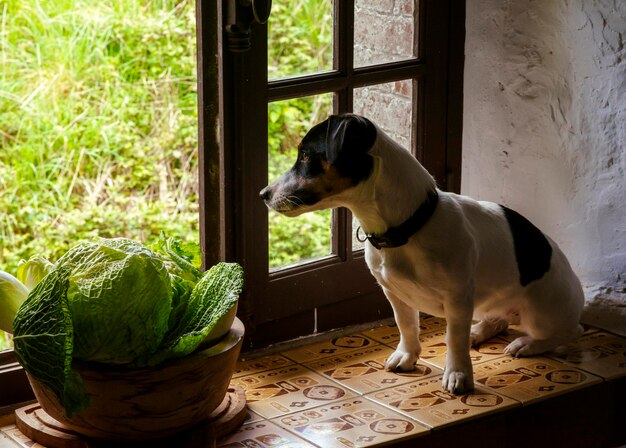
[241, 15]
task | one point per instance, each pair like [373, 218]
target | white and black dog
[441, 253]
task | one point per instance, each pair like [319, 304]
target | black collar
[399, 236]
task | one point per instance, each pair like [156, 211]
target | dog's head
[332, 157]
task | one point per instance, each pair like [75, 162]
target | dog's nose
[266, 193]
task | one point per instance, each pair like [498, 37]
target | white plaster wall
[544, 130]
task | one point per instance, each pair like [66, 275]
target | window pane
[384, 31]
[293, 240]
[390, 106]
[300, 38]
[5, 341]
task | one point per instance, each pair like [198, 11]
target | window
[332, 287]
[372, 63]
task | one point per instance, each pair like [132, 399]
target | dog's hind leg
[409, 348]
[551, 314]
[486, 329]
[529, 346]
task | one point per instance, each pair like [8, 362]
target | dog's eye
[304, 158]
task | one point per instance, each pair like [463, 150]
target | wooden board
[36, 424]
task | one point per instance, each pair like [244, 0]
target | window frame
[299, 301]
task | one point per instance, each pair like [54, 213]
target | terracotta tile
[251, 417]
[601, 353]
[289, 389]
[263, 434]
[431, 323]
[488, 350]
[426, 402]
[16, 436]
[246, 367]
[433, 336]
[364, 370]
[356, 422]
[390, 335]
[385, 334]
[434, 349]
[325, 349]
[530, 379]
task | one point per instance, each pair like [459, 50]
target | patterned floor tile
[434, 349]
[325, 349]
[431, 323]
[246, 367]
[19, 439]
[530, 379]
[251, 417]
[364, 370]
[263, 434]
[289, 389]
[385, 334]
[601, 353]
[6, 442]
[426, 402]
[390, 335]
[356, 422]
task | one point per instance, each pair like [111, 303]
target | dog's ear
[348, 135]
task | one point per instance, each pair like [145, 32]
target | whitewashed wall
[545, 130]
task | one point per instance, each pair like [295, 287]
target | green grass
[98, 122]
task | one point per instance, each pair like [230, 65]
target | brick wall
[383, 32]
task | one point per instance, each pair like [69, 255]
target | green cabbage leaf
[31, 272]
[116, 302]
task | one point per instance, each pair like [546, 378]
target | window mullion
[343, 62]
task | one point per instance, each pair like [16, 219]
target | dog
[435, 252]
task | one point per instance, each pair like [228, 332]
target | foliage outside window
[98, 122]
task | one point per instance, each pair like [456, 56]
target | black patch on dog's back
[532, 249]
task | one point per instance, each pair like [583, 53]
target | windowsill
[332, 391]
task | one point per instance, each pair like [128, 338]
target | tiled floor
[337, 394]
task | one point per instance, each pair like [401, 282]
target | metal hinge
[241, 15]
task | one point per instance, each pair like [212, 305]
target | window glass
[300, 38]
[292, 240]
[384, 31]
[5, 341]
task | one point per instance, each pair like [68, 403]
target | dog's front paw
[457, 382]
[401, 360]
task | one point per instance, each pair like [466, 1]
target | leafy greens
[114, 301]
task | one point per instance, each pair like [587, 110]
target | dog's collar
[399, 235]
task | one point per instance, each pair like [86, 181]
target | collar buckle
[399, 236]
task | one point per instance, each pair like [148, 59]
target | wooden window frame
[278, 306]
